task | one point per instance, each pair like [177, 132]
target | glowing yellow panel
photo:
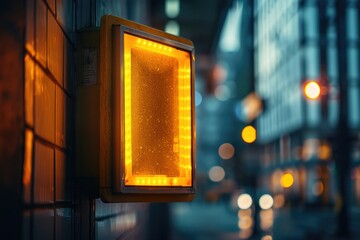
[157, 114]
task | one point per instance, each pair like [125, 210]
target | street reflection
[245, 223]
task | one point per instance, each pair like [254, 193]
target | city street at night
[180, 119]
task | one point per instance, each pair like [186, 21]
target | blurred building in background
[306, 160]
[295, 42]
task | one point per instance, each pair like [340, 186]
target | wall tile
[30, 27]
[64, 223]
[43, 174]
[60, 117]
[43, 224]
[60, 176]
[64, 177]
[27, 168]
[29, 90]
[55, 49]
[40, 26]
[64, 120]
[51, 4]
[44, 105]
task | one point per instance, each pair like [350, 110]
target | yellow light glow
[248, 134]
[287, 180]
[158, 116]
[312, 90]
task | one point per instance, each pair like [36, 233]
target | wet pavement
[204, 221]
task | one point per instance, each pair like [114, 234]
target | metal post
[341, 144]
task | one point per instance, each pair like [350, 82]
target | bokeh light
[245, 222]
[216, 174]
[266, 219]
[267, 237]
[279, 201]
[245, 212]
[172, 27]
[245, 233]
[226, 151]
[324, 151]
[318, 188]
[198, 98]
[248, 134]
[240, 111]
[222, 92]
[287, 180]
[244, 201]
[276, 179]
[312, 90]
[172, 8]
[266, 202]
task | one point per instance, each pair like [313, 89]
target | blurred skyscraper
[303, 144]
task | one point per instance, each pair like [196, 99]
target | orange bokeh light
[312, 90]
[226, 151]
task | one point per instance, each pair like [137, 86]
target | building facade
[295, 42]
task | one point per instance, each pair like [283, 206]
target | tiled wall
[48, 179]
[54, 209]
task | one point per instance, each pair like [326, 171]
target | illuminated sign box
[146, 108]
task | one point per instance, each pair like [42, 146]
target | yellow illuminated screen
[157, 118]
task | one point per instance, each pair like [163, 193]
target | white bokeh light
[244, 201]
[266, 202]
[216, 174]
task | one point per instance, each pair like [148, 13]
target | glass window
[331, 32]
[353, 110]
[311, 22]
[313, 113]
[312, 62]
[353, 64]
[352, 24]
[333, 111]
[332, 63]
